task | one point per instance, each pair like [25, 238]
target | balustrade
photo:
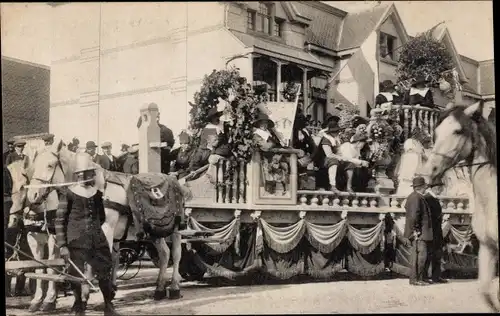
[449, 204]
[231, 180]
[412, 116]
[342, 200]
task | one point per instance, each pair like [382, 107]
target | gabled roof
[326, 23]
[358, 26]
[442, 34]
[487, 77]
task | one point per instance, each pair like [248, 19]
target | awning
[282, 52]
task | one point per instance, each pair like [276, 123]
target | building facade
[25, 98]
[108, 59]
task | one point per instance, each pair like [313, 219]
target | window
[277, 27]
[387, 46]
[264, 21]
[251, 20]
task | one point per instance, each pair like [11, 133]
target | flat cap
[19, 142]
[106, 145]
[48, 137]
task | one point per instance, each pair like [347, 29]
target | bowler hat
[214, 112]
[106, 145]
[10, 142]
[387, 84]
[133, 149]
[330, 117]
[19, 142]
[419, 80]
[48, 137]
[184, 137]
[333, 127]
[90, 144]
[418, 182]
[264, 117]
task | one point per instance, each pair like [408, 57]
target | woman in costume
[181, 156]
[420, 94]
[412, 160]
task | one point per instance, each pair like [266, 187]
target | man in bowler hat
[418, 231]
[437, 242]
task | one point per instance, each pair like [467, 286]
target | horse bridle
[49, 181]
[468, 160]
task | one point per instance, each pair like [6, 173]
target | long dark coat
[418, 217]
[106, 163]
[436, 218]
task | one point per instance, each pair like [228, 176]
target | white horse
[38, 238]
[465, 135]
[55, 166]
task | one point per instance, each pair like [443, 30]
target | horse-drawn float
[288, 229]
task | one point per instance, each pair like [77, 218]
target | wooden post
[149, 132]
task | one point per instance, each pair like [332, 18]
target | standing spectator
[107, 160]
[90, 148]
[73, 146]
[437, 242]
[418, 231]
[48, 139]
[10, 145]
[131, 164]
[120, 160]
[17, 154]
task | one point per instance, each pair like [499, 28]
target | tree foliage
[243, 109]
[423, 56]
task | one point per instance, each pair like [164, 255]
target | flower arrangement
[349, 121]
[385, 133]
[241, 107]
[290, 91]
[423, 56]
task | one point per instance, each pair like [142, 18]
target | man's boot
[108, 294]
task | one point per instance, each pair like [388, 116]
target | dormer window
[263, 20]
[387, 46]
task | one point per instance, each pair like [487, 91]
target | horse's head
[461, 135]
[19, 177]
[49, 167]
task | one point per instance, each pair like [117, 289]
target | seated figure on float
[388, 94]
[303, 140]
[352, 153]
[274, 166]
[330, 156]
[213, 144]
[181, 156]
[420, 94]
[412, 160]
[321, 175]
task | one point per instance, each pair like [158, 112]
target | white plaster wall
[347, 86]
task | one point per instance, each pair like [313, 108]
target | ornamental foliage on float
[226, 86]
[423, 56]
[385, 132]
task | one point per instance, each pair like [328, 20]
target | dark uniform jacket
[418, 217]
[131, 164]
[80, 221]
[436, 217]
[5, 155]
[166, 136]
[385, 97]
[106, 163]
[417, 98]
[181, 158]
[14, 156]
[120, 160]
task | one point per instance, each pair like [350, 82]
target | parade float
[290, 231]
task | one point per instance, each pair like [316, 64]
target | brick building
[25, 98]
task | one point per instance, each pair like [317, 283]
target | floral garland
[229, 86]
[290, 91]
[385, 132]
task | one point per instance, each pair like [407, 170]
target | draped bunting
[304, 248]
[228, 233]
